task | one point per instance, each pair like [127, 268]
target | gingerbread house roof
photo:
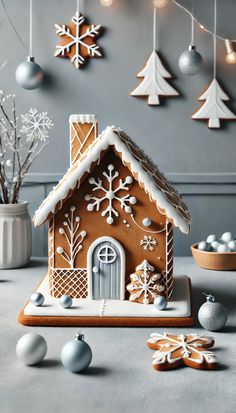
[166, 198]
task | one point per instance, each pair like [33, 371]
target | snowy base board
[110, 312]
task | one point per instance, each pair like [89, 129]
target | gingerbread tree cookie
[77, 40]
[189, 350]
[145, 284]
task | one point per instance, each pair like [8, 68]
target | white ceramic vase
[15, 235]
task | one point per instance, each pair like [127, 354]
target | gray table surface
[121, 378]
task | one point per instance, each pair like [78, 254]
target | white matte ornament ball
[66, 301]
[190, 61]
[232, 246]
[31, 348]
[211, 238]
[37, 299]
[223, 248]
[76, 355]
[29, 74]
[227, 236]
[204, 246]
[215, 245]
[160, 303]
[212, 315]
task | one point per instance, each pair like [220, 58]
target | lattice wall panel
[69, 281]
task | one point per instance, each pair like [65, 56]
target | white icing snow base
[178, 306]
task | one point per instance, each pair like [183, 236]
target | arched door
[106, 270]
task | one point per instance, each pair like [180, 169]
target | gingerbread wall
[127, 233]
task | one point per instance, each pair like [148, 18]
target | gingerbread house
[110, 220]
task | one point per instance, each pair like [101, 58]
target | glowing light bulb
[202, 27]
[160, 3]
[106, 3]
[231, 55]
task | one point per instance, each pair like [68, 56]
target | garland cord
[12, 24]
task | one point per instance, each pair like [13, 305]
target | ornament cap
[192, 47]
[79, 336]
[30, 59]
[210, 298]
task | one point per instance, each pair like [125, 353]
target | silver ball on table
[37, 299]
[76, 355]
[65, 301]
[190, 61]
[160, 303]
[29, 74]
[31, 348]
[212, 315]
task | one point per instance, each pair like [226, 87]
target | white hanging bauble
[29, 74]
[190, 61]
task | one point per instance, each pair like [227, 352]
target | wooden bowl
[219, 261]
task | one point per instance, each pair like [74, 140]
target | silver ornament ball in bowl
[31, 348]
[76, 355]
[37, 299]
[29, 74]
[65, 301]
[190, 61]
[212, 315]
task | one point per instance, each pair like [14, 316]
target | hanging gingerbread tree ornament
[154, 74]
[77, 40]
[214, 107]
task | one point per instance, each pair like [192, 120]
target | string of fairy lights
[230, 57]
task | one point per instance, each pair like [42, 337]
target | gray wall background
[200, 162]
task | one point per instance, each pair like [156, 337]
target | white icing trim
[90, 264]
[83, 118]
[110, 137]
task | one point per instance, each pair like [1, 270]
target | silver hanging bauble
[190, 61]
[76, 355]
[29, 74]
[212, 315]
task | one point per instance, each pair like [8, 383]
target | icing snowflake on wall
[77, 40]
[36, 125]
[173, 350]
[74, 238]
[145, 284]
[110, 194]
[148, 243]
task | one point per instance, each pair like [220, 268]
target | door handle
[95, 269]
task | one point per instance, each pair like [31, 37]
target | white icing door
[106, 270]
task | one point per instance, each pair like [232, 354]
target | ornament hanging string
[154, 27]
[214, 40]
[12, 25]
[30, 32]
[192, 25]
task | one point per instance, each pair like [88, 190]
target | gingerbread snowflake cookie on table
[190, 350]
[77, 40]
[145, 284]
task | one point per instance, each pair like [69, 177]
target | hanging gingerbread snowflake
[145, 284]
[77, 40]
[191, 350]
